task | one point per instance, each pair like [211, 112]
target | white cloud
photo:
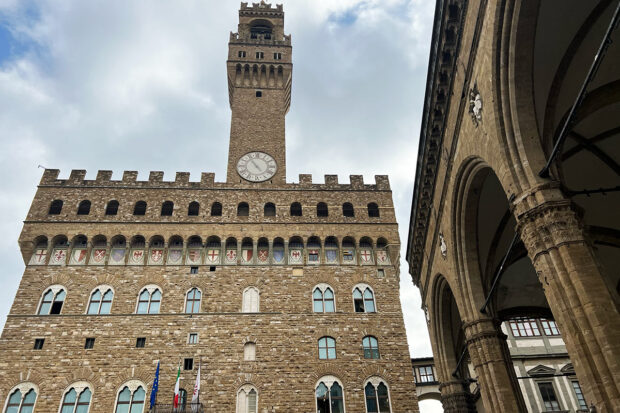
[132, 85]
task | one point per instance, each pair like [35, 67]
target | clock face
[256, 167]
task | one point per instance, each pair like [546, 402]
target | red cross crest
[213, 255]
[40, 255]
[365, 255]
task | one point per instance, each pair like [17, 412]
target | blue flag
[155, 386]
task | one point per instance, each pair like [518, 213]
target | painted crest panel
[382, 257]
[175, 256]
[117, 256]
[98, 256]
[194, 256]
[366, 256]
[213, 256]
[313, 256]
[59, 257]
[231, 256]
[246, 256]
[156, 256]
[295, 256]
[262, 255]
[348, 256]
[78, 256]
[331, 256]
[136, 257]
[278, 255]
[39, 256]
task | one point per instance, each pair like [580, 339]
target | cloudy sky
[134, 85]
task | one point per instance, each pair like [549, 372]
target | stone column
[455, 398]
[491, 360]
[580, 301]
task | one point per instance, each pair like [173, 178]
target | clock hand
[255, 165]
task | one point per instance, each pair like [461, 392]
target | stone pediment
[568, 369]
[541, 370]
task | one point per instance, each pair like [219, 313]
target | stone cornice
[447, 31]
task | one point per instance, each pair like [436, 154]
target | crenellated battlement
[77, 177]
[261, 7]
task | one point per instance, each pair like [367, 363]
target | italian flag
[176, 388]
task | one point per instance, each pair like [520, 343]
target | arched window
[377, 396]
[296, 209]
[327, 348]
[52, 300]
[112, 207]
[192, 301]
[247, 399]
[278, 251]
[295, 250]
[130, 401]
[166, 208]
[76, 401]
[365, 248]
[371, 347]
[331, 250]
[321, 209]
[347, 210]
[214, 248]
[84, 207]
[55, 207]
[100, 301]
[373, 210]
[22, 400]
[348, 250]
[250, 300]
[270, 209]
[323, 299]
[216, 209]
[314, 250]
[382, 252]
[329, 396]
[262, 251]
[149, 301]
[40, 251]
[193, 209]
[243, 209]
[363, 299]
[249, 351]
[59, 250]
[231, 251]
[139, 208]
[247, 251]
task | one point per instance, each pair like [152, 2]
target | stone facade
[494, 233]
[77, 252]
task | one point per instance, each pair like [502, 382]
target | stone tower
[259, 86]
[286, 294]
